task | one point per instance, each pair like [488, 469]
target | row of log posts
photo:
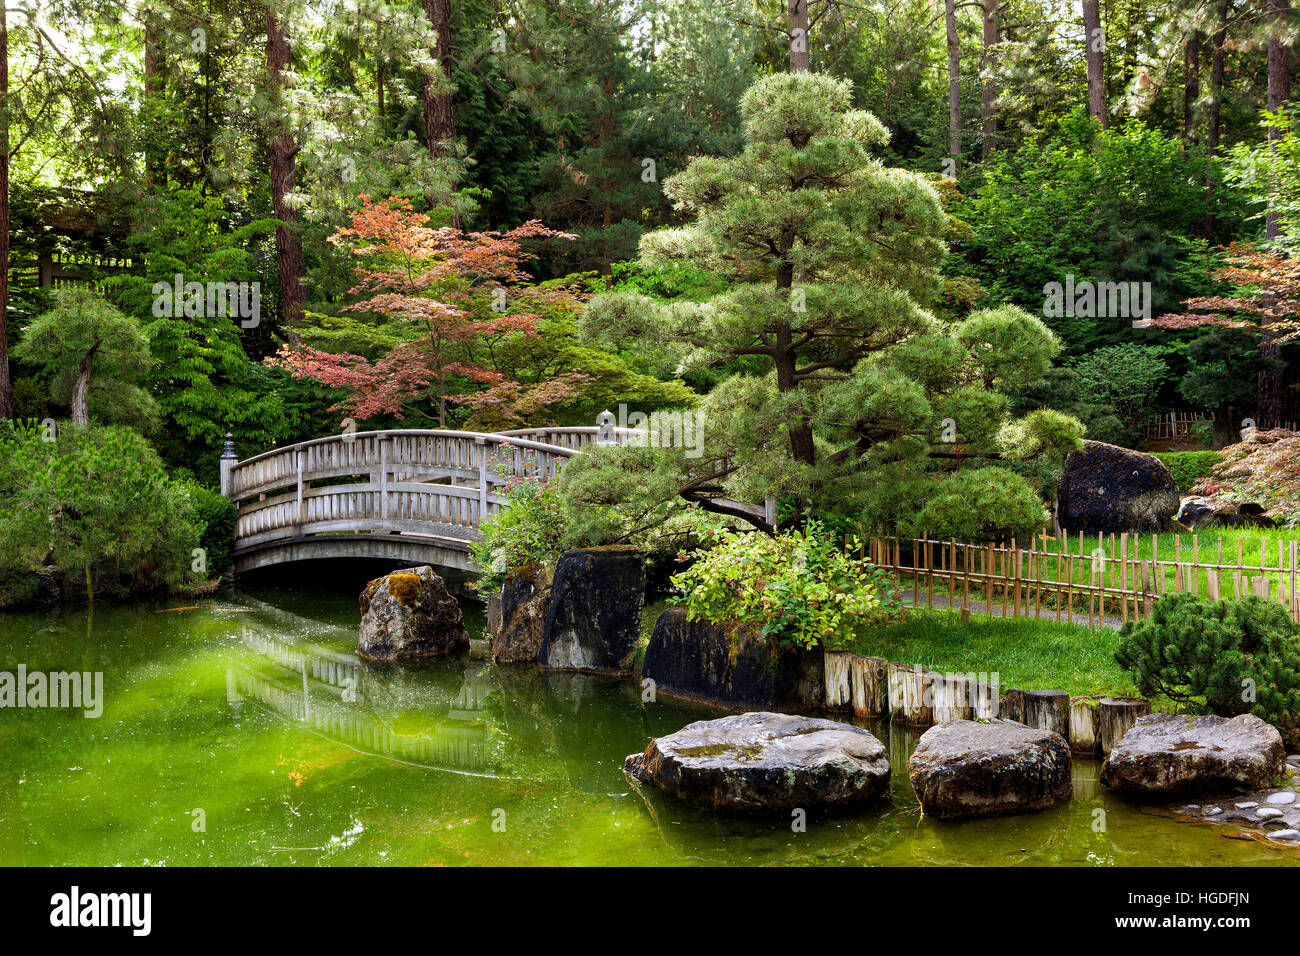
[1111, 578]
[916, 697]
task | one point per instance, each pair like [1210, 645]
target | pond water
[242, 731]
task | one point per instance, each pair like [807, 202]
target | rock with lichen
[410, 614]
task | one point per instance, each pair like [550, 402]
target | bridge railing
[439, 484]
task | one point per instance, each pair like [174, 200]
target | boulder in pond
[730, 666]
[1170, 754]
[985, 768]
[594, 617]
[764, 762]
[525, 596]
[409, 614]
[1105, 488]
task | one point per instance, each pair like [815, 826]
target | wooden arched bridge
[404, 495]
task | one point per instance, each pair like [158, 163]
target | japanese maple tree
[1265, 304]
[430, 306]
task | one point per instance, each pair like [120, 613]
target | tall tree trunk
[1094, 47]
[1279, 82]
[6, 387]
[283, 153]
[988, 93]
[1191, 85]
[1272, 386]
[1214, 129]
[439, 118]
[799, 61]
[954, 80]
[153, 62]
[1216, 81]
[81, 388]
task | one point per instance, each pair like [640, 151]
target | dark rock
[753, 763]
[1167, 754]
[1107, 489]
[525, 595]
[493, 612]
[594, 618]
[410, 614]
[976, 768]
[730, 666]
[1196, 514]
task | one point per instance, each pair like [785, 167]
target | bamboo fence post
[1196, 567]
[1069, 588]
[1123, 576]
[929, 568]
[988, 578]
[965, 580]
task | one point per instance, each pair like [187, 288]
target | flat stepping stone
[1285, 836]
[1268, 813]
[1213, 811]
[1246, 805]
[1282, 798]
[763, 762]
[1169, 755]
[975, 768]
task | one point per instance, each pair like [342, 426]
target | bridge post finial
[605, 424]
[228, 461]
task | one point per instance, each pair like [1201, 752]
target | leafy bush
[528, 530]
[1228, 657]
[1125, 377]
[96, 504]
[984, 504]
[1265, 468]
[1189, 467]
[800, 587]
[215, 516]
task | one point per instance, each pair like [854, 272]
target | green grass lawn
[1028, 654]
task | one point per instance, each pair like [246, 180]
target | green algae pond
[241, 730]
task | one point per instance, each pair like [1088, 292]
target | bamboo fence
[1099, 580]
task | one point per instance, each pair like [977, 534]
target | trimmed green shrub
[983, 504]
[215, 515]
[95, 504]
[1239, 656]
[1189, 467]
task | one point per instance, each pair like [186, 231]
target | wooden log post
[837, 681]
[911, 695]
[1116, 715]
[869, 688]
[953, 695]
[1048, 710]
[1012, 706]
[1085, 728]
[985, 703]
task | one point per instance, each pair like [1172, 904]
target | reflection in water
[343, 698]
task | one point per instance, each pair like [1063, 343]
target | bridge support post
[481, 445]
[228, 463]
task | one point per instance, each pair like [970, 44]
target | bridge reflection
[435, 717]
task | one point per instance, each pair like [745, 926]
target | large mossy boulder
[1106, 489]
[519, 627]
[764, 762]
[410, 614]
[728, 666]
[594, 617]
[1165, 755]
[983, 768]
